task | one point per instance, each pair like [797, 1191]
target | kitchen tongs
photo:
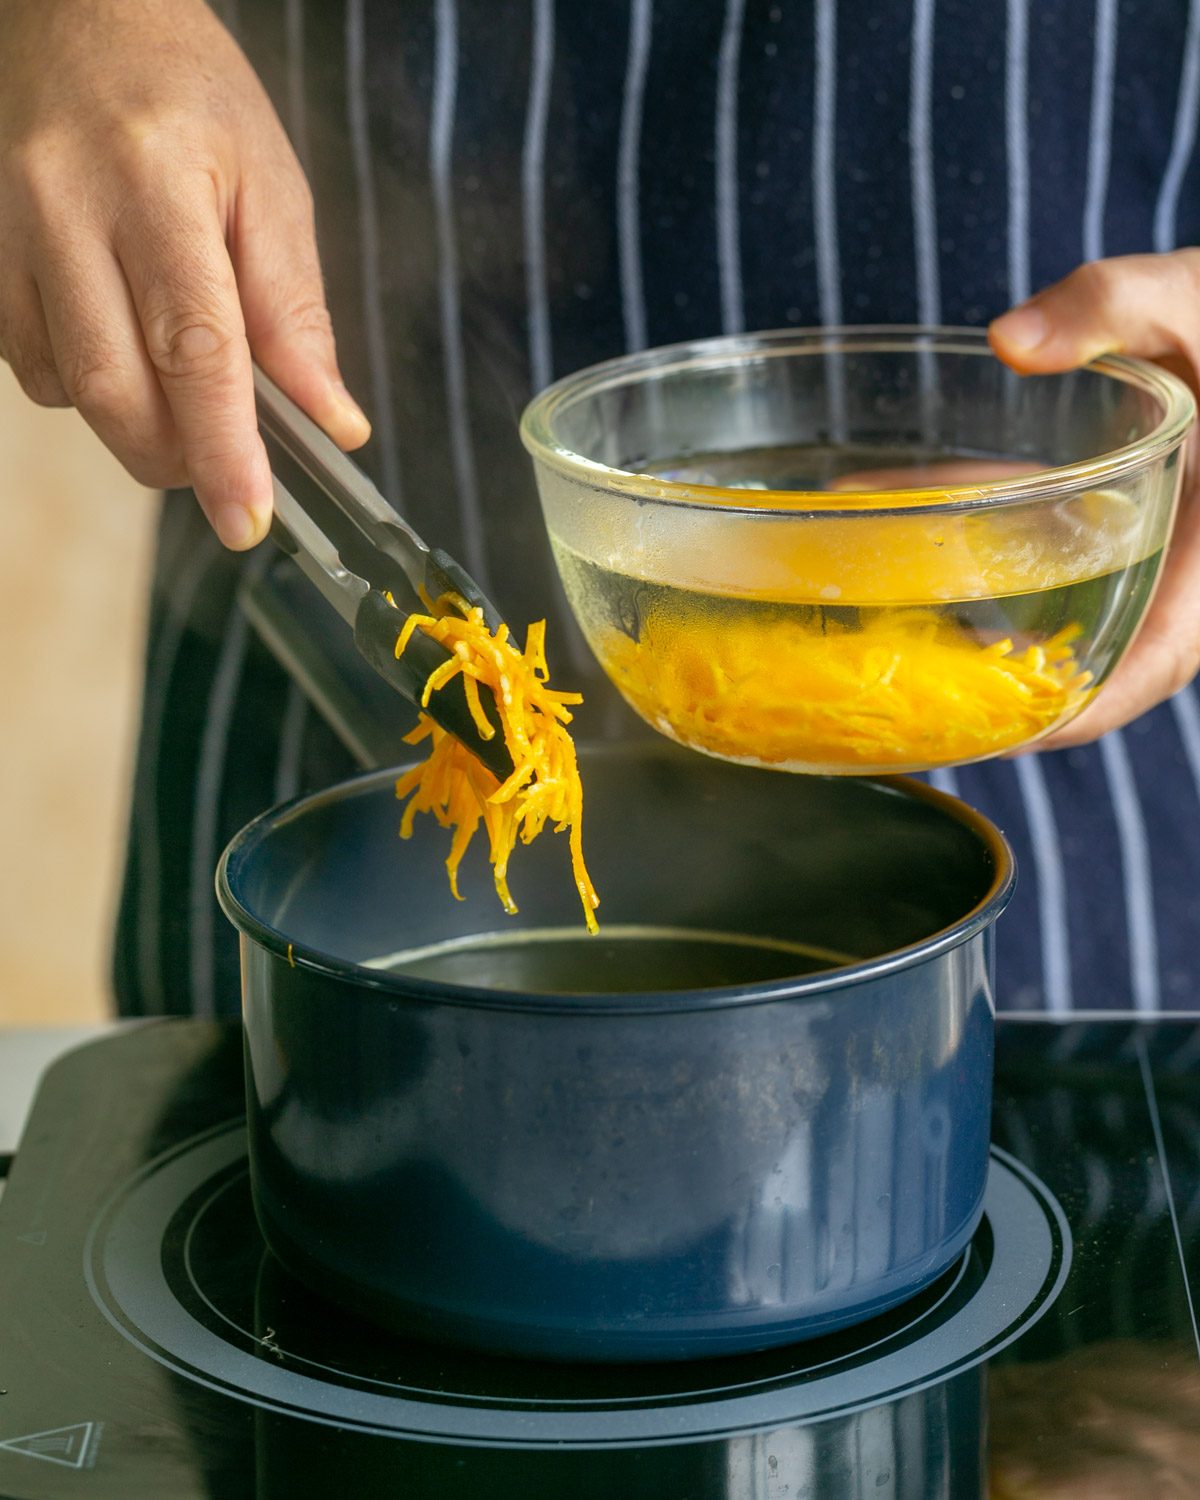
[347, 539]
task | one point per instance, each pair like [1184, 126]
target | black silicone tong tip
[376, 628]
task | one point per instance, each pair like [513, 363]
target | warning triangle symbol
[58, 1445]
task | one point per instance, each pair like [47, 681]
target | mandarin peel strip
[905, 689]
[544, 785]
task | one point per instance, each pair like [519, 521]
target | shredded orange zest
[459, 790]
[903, 689]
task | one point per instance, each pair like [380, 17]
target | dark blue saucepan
[753, 1110]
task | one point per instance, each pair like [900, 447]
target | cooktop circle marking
[411, 1387]
[123, 1266]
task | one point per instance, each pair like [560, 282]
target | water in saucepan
[621, 959]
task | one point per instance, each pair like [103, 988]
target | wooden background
[77, 541]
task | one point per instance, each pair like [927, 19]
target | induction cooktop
[151, 1346]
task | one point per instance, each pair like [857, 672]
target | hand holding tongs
[357, 552]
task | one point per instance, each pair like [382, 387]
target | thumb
[283, 303]
[1133, 304]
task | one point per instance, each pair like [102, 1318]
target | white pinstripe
[533, 205]
[1099, 1188]
[1031, 781]
[943, 779]
[373, 324]
[206, 810]
[1100, 131]
[920, 129]
[148, 935]
[1078, 1016]
[729, 249]
[1132, 840]
[1017, 1130]
[1136, 873]
[1017, 139]
[291, 745]
[1127, 1281]
[1165, 1165]
[533, 171]
[1187, 719]
[829, 274]
[629, 228]
[1187, 1054]
[1183, 704]
[295, 714]
[825, 225]
[297, 101]
[441, 149]
[1051, 883]
[1167, 208]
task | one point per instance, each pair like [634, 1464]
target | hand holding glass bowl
[858, 550]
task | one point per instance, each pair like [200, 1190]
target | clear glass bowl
[857, 550]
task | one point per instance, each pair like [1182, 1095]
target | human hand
[1142, 305]
[156, 230]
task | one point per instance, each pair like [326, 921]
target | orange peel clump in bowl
[903, 690]
[459, 790]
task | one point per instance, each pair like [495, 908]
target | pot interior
[710, 875]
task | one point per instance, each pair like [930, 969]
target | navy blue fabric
[1145, 98]
[775, 148]
[970, 163]
[439, 285]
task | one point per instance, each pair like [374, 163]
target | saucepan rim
[806, 988]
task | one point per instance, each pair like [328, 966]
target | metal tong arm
[376, 625]
[428, 570]
[315, 555]
[360, 600]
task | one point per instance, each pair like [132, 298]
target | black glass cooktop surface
[151, 1346]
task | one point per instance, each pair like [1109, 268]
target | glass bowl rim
[536, 426]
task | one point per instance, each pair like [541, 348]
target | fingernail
[350, 410]
[1023, 328]
[235, 526]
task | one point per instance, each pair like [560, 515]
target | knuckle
[49, 192]
[190, 345]
[310, 316]
[143, 147]
[26, 157]
[158, 468]
[35, 370]
[146, 444]
[41, 384]
[1187, 261]
[157, 162]
[1177, 660]
[1096, 279]
[95, 381]
[31, 172]
[1182, 666]
[304, 197]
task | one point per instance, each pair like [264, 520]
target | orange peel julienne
[905, 689]
[452, 784]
